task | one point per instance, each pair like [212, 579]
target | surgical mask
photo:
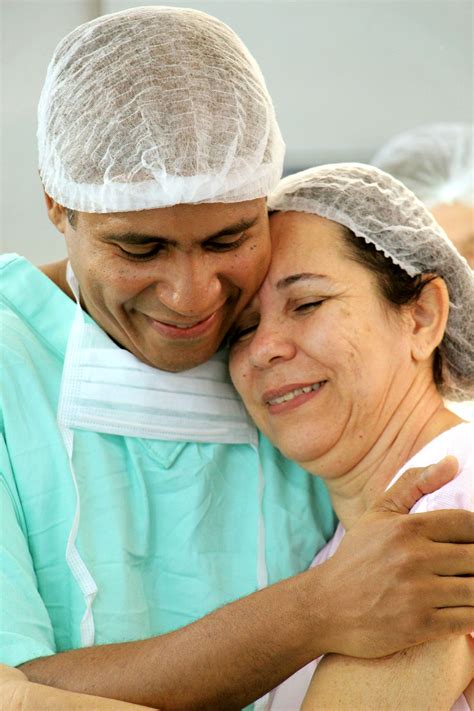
[106, 389]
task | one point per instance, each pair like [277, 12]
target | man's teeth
[294, 393]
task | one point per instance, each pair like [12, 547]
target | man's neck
[419, 418]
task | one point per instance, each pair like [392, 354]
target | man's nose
[191, 286]
[270, 345]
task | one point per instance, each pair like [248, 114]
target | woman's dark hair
[393, 282]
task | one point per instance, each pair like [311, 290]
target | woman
[361, 328]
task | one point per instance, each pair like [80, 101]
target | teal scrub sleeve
[25, 627]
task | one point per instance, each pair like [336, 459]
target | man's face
[166, 284]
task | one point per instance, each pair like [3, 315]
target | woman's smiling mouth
[291, 396]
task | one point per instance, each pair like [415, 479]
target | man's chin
[177, 359]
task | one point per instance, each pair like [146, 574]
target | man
[138, 497]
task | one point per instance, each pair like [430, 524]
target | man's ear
[57, 213]
[429, 315]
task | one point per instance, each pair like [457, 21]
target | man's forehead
[201, 221]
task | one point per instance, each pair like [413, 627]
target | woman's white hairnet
[155, 106]
[382, 211]
[435, 161]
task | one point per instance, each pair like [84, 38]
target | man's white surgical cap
[435, 161]
[383, 212]
[152, 107]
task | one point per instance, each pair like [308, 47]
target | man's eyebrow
[303, 276]
[137, 239]
[234, 229]
[134, 238]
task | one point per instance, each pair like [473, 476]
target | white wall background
[345, 75]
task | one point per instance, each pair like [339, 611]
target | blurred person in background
[436, 162]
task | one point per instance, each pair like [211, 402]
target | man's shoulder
[8, 259]
[19, 286]
[14, 267]
[34, 312]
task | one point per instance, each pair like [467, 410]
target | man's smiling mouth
[185, 330]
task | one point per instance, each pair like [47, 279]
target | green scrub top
[168, 530]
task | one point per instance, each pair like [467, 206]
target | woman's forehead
[300, 240]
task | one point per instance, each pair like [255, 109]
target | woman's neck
[418, 419]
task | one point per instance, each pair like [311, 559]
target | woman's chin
[320, 458]
[304, 456]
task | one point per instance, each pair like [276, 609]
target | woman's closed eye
[241, 332]
[308, 305]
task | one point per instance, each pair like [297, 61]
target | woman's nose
[270, 345]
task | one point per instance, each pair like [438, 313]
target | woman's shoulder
[458, 493]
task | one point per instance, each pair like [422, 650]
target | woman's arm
[430, 676]
[19, 694]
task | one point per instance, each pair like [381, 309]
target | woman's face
[319, 358]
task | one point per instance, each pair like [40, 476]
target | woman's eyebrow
[303, 276]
